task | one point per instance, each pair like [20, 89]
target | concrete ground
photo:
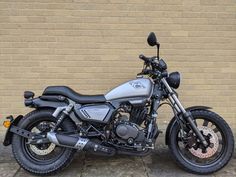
[159, 163]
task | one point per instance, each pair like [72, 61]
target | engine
[129, 132]
[127, 128]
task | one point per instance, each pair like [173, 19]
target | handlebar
[153, 64]
[141, 56]
[148, 60]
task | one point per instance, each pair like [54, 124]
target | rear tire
[212, 166]
[24, 158]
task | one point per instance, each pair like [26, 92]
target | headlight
[174, 79]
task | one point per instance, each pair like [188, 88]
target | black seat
[71, 94]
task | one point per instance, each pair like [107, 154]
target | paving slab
[5, 152]
[159, 163]
[120, 166]
[8, 169]
[229, 170]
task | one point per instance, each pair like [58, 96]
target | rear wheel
[191, 155]
[41, 159]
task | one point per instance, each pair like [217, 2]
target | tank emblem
[137, 85]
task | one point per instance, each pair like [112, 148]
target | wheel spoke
[179, 139]
[215, 130]
[205, 123]
[36, 130]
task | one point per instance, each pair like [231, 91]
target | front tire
[202, 162]
[34, 160]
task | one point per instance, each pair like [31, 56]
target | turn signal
[6, 123]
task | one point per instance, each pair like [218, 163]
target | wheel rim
[197, 155]
[42, 153]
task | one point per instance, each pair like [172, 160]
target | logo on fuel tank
[137, 85]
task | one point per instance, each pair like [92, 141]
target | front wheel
[191, 155]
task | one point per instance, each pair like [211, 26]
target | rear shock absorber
[64, 113]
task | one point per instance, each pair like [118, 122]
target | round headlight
[173, 79]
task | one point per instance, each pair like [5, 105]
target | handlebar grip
[141, 56]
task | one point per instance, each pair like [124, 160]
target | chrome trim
[173, 96]
[81, 143]
[137, 101]
[52, 138]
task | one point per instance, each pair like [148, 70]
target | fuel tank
[141, 87]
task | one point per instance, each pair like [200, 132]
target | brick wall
[93, 45]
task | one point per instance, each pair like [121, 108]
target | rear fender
[8, 135]
[33, 103]
[173, 120]
[39, 103]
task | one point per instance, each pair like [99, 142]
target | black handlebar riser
[153, 66]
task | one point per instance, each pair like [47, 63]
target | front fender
[173, 120]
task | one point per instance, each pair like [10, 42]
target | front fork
[180, 109]
[152, 128]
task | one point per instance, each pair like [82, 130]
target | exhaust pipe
[80, 144]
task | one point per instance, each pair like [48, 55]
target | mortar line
[83, 165]
[16, 172]
[145, 168]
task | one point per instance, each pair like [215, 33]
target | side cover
[94, 113]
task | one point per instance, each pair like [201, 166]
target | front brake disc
[210, 150]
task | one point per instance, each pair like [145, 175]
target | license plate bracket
[8, 135]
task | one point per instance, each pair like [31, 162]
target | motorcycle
[122, 121]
